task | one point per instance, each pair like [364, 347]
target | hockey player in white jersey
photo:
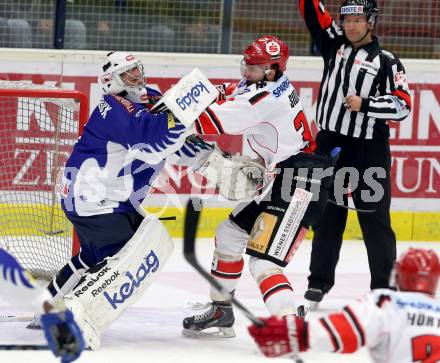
[265, 108]
[396, 326]
[123, 148]
[19, 288]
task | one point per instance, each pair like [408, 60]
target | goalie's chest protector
[270, 116]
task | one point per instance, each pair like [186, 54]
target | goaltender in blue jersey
[123, 148]
[121, 151]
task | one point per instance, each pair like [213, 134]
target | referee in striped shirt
[362, 87]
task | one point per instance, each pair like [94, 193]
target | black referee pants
[379, 238]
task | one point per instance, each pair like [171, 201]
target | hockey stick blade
[23, 347]
[193, 209]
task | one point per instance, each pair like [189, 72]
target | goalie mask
[122, 74]
[417, 270]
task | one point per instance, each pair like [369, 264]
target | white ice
[150, 332]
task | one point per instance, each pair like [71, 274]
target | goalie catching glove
[281, 335]
[237, 177]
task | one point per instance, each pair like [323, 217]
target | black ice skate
[314, 297]
[216, 322]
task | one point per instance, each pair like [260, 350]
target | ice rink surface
[150, 332]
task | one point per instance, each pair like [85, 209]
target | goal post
[39, 124]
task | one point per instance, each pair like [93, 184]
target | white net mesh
[36, 137]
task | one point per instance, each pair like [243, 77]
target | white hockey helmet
[115, 77]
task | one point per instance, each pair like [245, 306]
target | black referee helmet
[360, 7]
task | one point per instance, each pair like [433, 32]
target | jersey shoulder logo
[103, 108]
[129, 106]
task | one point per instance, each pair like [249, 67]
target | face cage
[132, 80]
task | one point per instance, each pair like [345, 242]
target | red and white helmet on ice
[418, 270]
[267, 50]
[122, 74]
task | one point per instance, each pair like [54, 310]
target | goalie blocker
[297, 199]
[115, 284]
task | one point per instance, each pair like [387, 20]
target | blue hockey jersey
[121, 151]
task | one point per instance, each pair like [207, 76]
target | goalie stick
[192, 215]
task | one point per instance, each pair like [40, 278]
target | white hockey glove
[237, 177]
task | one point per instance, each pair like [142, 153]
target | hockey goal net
[39, 125]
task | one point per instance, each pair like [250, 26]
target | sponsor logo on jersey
[294, 99]
[400, 79]
[124, 102]
[191, 96]
[150, 265]
[171, 121]
[65, 187]
[420, 305]
[283, 87]
[103, 108]
[260, 84]
[369, 66]
[138, 114]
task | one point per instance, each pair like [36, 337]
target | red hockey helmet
[418, 270]
[267, 50]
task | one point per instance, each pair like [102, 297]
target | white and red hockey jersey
[396, 327]
[268, 114]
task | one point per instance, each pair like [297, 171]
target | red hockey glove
[280, 336]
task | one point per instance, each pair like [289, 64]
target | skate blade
[35, 324]
[218, 333]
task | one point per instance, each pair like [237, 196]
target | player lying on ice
[396, 326]
[265, 108]
[113, 164]
[19, 288]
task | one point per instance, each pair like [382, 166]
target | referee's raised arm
[323, 29]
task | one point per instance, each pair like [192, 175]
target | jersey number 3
[426, 348]
[300, 122]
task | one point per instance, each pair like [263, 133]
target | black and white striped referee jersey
[374, 74]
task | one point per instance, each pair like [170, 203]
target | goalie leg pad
[105, 293]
